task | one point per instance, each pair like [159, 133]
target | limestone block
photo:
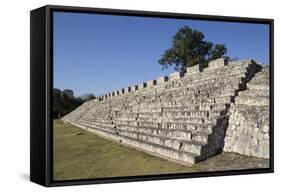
[134, 88]
[151, 83]
[265, 128]
[142, 85]
[128, 89]
[162, 79]
[266, 136]
[194, 69]
[176, 75]
[217, 63]
[247, 151]
[254, 141]
[260, 136]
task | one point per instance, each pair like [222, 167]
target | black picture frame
[41, 83]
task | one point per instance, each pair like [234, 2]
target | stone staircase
[248, 131]
[182, 118]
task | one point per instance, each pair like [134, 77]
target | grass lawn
[87, 156]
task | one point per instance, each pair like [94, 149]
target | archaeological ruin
[187, 117]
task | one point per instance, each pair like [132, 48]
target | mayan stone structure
[187, 117]
[248, 130]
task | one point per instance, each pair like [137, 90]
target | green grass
[87, 156]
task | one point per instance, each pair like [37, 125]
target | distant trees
[87, 97]
[65, 102]
[189, 48]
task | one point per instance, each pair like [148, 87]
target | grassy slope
[89, 156]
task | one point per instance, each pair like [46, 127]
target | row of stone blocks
[167, 84]
[176, 75]
[180, 145]
[186, 128]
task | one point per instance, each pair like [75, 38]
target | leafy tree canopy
[189, 48]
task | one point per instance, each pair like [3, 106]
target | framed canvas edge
[48, 129]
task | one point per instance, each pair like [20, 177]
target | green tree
[67, 93]
[189, 48]
[65, 102]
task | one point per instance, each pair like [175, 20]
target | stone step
[235, 75]
[255, 92]
[230, 83]
[210, 79]
[196, 136]
[171, 111]
[210, 92]
[219, 100]
[187, 93]
[168, 152]
[213, 94]
[107, 116]
[261, 84]
[252, 112]
[173, 125]
[98, 123]
[226, 99]
[253, 86]
[181, 114]
[192, 127]
[185, 101]
[177, 144]
[159, 99]
[175, 133]
[155, 88]
[187, 113]
[250, 107]
[173, 119]
[252, 100]
[178, 107]
[200, 136]
[200, 106]
[197, 117]
[262, 75]
[179, 119]
[198, 81]
[175, 102]
[227, 70]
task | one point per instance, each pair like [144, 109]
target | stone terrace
[248, 131]
[182, 117]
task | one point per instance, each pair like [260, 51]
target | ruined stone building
[187, 117]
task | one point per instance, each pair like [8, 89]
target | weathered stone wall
[182, 117]
[248, 130]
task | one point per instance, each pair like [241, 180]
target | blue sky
[101, 53]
